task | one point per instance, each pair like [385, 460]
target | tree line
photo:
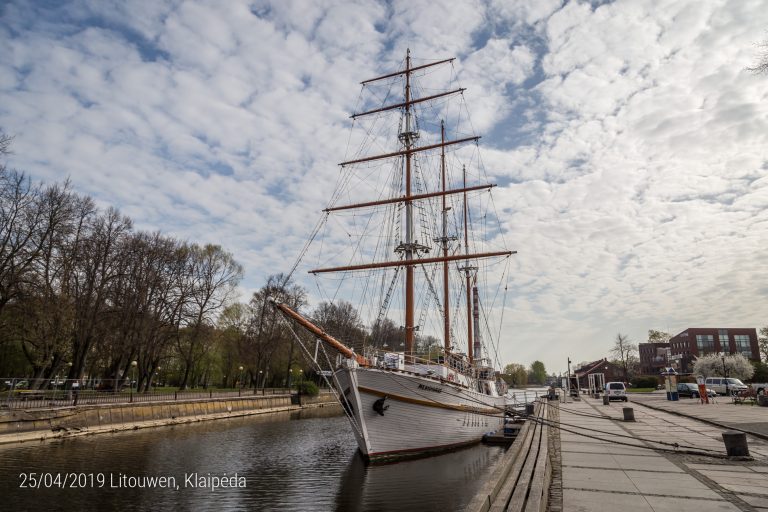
[84, 294]
[516, 374]
[257, 339]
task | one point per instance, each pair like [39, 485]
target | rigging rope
[334, 389]
[304, 250]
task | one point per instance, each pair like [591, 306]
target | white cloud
[629, 141]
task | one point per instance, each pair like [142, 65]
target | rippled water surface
[299, 461]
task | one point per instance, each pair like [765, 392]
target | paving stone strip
[555, 502]
[683, 462]
[595, 474]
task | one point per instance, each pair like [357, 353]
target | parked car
[759, 387]
[615, 391]
[692, 390]
[722, 385]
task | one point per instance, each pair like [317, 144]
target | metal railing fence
[518, 398]
[20, 393]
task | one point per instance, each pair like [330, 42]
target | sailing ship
[400, 400]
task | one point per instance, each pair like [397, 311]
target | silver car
[723, 385]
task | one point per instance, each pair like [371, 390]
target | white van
[615, 391]
[718, 385]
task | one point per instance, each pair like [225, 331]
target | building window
[722, 335]
[705, 343]
[743, 346]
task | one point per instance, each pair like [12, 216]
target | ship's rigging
[408, 221]
[428, 220]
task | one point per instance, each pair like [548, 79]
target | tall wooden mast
[468, 273]
[444, 240]
[407, 138]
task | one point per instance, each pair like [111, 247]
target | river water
[290, 461]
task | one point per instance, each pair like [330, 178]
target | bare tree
[655, 336]
[44, 311]
[341, 320]
[624, 352]
[145, 304]
[214, 274]
[21, 221]
[5, 144]
[271, 345]
[386, 334]
[95, 266]
[81, 292]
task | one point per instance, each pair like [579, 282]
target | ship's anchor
[379, 406]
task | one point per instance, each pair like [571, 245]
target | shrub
[761, 372]
[647, 381]
[307, 387]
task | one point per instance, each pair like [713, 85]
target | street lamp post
[725, 376]
[240, 391]
[67, 385]
[133, 377]
[298, 387]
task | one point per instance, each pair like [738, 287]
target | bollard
[529, 409]
[606, 400]
[629, 414]
[735, 443]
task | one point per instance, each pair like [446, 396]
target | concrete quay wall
[40, 424]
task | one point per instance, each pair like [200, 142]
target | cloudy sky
[630, 143]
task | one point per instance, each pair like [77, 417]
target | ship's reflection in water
[443, 482]
[300, 461]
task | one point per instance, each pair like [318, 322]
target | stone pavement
[615, 469]
[723, 412]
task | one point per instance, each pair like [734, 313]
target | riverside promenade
[607, 464]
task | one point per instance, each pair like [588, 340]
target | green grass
[640, 390]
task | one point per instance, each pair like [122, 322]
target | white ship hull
[419, 414]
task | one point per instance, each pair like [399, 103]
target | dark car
[692, 390]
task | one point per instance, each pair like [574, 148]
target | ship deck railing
[454, 362]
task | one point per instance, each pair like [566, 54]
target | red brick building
[694, 342]
[610, 371]
[654, 357]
